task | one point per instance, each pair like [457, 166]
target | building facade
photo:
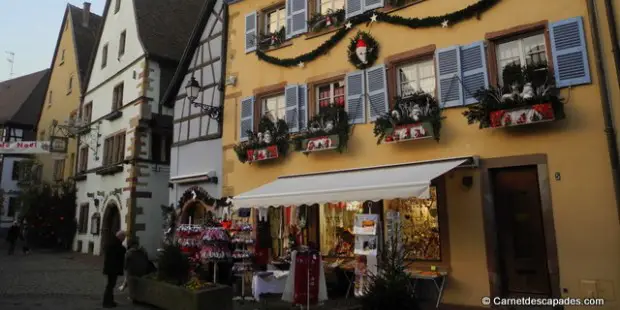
[74, 46]
[123, 156]
[19, 97]
[196, 155]
[510, 222]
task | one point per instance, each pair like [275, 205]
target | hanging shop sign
[59, 144]
[365, 224]
[367, 234]
[25, 147]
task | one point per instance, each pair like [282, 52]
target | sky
[29, 28]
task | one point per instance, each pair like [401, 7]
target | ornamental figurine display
[363, 50]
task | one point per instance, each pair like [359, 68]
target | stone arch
[111, 223]
[197, 204]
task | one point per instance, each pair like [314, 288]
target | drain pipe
[613, 35]
[610, 131]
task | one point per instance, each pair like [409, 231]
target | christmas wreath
[332, 120]
[270, 133]
[363, 50]
[420, 107]
[318, 21]
[529, 95]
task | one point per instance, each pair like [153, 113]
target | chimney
[86, 14]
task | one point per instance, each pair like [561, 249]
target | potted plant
[272, 40]
[528, 96]
[414, 117]
[328, 130]
[318, 22]
[269, 142]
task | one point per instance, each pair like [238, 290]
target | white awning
[384, 182]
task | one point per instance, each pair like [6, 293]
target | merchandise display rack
[242, 239]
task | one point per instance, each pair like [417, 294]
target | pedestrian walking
[113, 266]
[137, 263]
[12, 236]
[24, 238]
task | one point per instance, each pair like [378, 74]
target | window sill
[110, 169]
[273, 48]
[389, 9]
[330, 29]
[116, 114]
[80, 177]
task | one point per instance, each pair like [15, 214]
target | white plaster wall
[153, 89]
[151, 237]
[196, 158]
[114, 25]
[10, 188]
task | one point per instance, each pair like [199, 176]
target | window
[331, 93]
[71, 163]
[104, 56]
[15, 172]
[121, 43]
[15, 134]
[83, 224]
[13, 205]
[59, 169]
[83, 160]
[275, 20]
[160, 147]
[87, 112]
[274, 107]
[418, 76]
[529, 50]
[49, 98]
[62, 57]
[70, 85]
[328, 6]
[117, 97]
[114, 149]
[117, 6]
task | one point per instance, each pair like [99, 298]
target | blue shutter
[296, 17]
[354, 90]
[377, 91]
[247, 118]
[291, 99]
[303, 106]
[570, 56]
[474, 70]
[251, 35]
[353, 7]
[373, 4]
[448, 77]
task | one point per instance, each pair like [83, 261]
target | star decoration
[444, 24]
[373, 18]
[348, 25]
[301, 64]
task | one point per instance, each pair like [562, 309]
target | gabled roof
[163, 26]
[21, 96]
[84, 37]
[186, 59]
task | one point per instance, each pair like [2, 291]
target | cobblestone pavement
[48, 280]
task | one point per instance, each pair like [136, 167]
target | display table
[268, 282]
[438, 278]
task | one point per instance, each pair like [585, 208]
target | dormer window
[121, 43]
[117, 6]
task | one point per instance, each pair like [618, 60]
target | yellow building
[514, 210]
[69, 64]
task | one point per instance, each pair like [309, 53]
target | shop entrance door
[521, 240]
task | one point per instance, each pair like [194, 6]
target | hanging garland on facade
[446, 20]
[199, 193]
[363, 50]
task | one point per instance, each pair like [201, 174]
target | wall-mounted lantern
[193, 89]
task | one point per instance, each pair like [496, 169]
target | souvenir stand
[215, 247]
[241, 238]
[367, 241]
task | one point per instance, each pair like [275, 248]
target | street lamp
[192, 90]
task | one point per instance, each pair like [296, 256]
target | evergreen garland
[471, 11]
[202, 195]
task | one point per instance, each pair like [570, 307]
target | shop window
[420, 227]
[274, 107]
[416, 76]
[530, 50]
[275, 20]
[328, 6]
[330, 93]
[337, 238]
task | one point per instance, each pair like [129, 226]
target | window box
[270, 141]
[328, 130]
[116, 114]
[538, 113]
[110, 170]
[260, 154]
[323, 143]
[410, 132]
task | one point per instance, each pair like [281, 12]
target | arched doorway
[196, 212]
[111, 224]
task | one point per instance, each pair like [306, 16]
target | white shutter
[251, 34]
[354, 90]
[474, 70]
[247, 118]
[296, 17]
[353, 7]
[448, 77]
[376, 84]
[303, 106]
[570, 55]
[291, 99]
